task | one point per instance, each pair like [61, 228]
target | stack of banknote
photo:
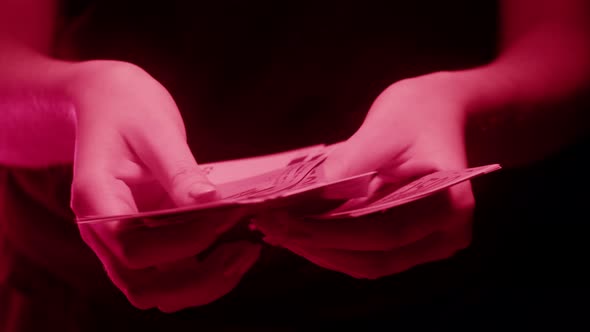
[294, 180]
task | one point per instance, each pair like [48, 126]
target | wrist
[454, 92]
[104, 84]
[484, 89]
[93, 78]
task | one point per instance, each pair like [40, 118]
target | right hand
[131, 155]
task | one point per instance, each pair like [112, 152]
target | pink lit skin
[144, 171]
[103, 116]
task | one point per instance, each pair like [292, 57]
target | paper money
[294, 180]
[252, 181]
[238, 169]
[420, 188]
[269, 185]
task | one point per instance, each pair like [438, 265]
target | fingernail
[203, 192]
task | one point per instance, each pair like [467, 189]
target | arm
[518, 109]
[126, 140]
[528, 103]
[38, 124]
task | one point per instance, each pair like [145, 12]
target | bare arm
[518, 109]
[38, 124]
[529, 102]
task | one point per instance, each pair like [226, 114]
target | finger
[208, 281]
[393, 165]
[182, 283]
[369, 150]
[139, 245]
[351, 158]
[119, 275]
[376, 264]
[169, 157]
[97, 194]
[94, 193]
[95, 189]
[392, 229]
[142, 246]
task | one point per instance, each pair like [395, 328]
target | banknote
[295, 180]
[252, 181]
[270, 184]
[417, 189]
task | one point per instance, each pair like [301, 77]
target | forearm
[36, 114]
[531, 101]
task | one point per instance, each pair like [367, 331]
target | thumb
[174, 165]
[100, 196]
[347, 159]
[355, 156]
[361, 154]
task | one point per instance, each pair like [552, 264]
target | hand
[414, 127]
[131, 155]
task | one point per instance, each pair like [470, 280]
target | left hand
[415, 127]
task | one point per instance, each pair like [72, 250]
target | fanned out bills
[417, 189]
[294, 179]
[252, 182]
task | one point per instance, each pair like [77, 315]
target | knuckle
[183, 170]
